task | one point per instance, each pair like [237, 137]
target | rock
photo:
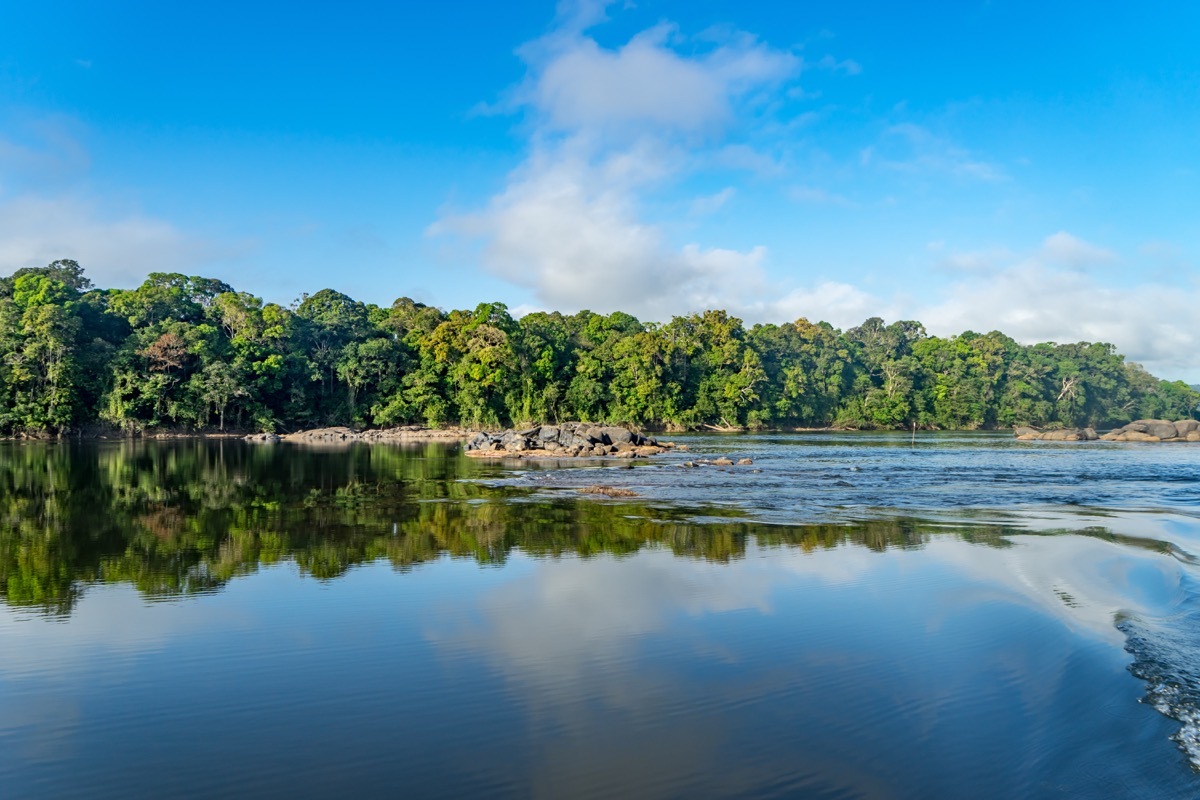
[1029, 437]
[615, 435]
[722, 462]
[336, 434]
[562, 440]
[745, 462]
[1090, 435]
[1185, 426]
[607, 491]
[263, 438]
[1065, 435]
[1193, 436]
[683, 448]
[1022, 431]
[1160, 428]
[1138, 436]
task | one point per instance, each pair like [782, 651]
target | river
[850, 616]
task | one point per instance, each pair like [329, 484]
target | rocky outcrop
[1026, 434]
[341, 435]
[1156, 430]
[565, 440]
[1142, 430]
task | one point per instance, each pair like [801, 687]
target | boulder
[1185, 426]
[1160, 428]
[1025, 431]
[1065, 435]
[1137, 436]
[616, 435]
[1193, 436]
[548, 433]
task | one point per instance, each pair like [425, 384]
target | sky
[1017, 166]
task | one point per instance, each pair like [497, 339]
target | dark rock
[615, 435]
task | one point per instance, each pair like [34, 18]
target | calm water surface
[850, 617]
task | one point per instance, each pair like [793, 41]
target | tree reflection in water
[184, 517]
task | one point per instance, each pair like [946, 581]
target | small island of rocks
[565, 440]
[1142, 430]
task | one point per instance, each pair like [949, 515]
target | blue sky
[1026, 167]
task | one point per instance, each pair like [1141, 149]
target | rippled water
[850, 616]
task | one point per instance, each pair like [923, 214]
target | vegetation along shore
[184, 353]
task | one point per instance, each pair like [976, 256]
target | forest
[184, 353]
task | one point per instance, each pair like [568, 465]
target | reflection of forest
[184, 517]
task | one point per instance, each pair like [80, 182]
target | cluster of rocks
[1027, 434]
[1142, 430]
[1156, 430]
[565, 440]
[342, 435]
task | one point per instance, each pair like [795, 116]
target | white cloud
[568, 229]
[1063, 248]
[1044, 296]
[610, 126]
[48, 213]
[709, 204]
[115, 249]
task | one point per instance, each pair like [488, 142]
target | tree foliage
[190, 353]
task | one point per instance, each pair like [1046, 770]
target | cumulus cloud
[609, 127]
[568, 229]
[1049, 295]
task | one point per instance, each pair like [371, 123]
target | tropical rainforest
[185, 353]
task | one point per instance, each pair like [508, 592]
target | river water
[852, 616]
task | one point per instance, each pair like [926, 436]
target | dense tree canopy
[191, 353]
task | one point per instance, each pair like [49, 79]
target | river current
[852, 615]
